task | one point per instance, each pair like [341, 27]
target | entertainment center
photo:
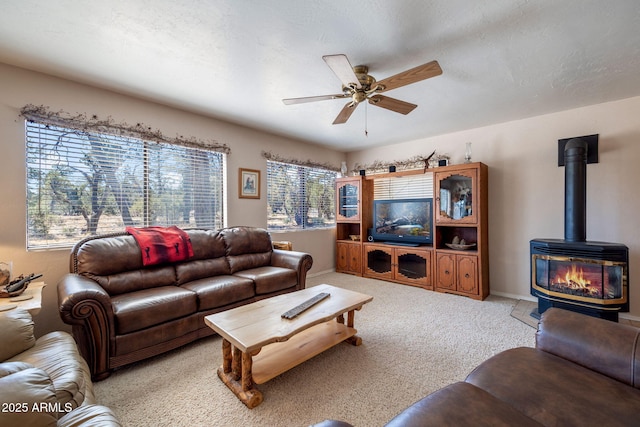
[426, 228]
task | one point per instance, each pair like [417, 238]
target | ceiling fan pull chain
[366, 133]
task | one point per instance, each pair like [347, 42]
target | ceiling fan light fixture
[358, 85]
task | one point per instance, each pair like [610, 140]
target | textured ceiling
[236, 59]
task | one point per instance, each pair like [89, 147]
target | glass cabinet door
[348, 203]
[454, 194]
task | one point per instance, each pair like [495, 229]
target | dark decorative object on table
[18, 286]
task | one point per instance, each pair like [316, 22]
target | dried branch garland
[308, 163]
[416, 162]
[81, 121]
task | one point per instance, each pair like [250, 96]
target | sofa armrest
[28, 396]
[84, 304]
[610, 348]
[301, 262]
[89, 416]
[16, 333]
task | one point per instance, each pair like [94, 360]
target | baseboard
[627, 316]
[515, 296]
[320, 273]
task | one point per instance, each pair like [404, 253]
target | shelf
[277, 358]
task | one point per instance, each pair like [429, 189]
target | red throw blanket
[162, 244]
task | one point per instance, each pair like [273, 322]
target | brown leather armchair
[584, 371]
[44, 381]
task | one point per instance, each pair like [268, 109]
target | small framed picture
[249, 184]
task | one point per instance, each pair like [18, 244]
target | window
[299, 197]
[81, 183]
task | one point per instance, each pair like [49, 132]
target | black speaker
[369, 234]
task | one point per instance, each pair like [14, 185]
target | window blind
[299, 197]
[404, 187]
[81, 183]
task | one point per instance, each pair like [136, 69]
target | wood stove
[576, 274]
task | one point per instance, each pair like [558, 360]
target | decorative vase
[343, 169]
[467, 153]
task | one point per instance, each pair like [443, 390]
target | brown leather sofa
[583, 372]
[44, 381]
[122, 312]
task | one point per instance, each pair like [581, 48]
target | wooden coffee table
[258, 344]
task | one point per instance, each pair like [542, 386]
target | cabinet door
[413, 266]
[348, 200]
[378, 262]
[355, 259]
[342, 257]
[446, 271]
[456, 193]
[468, 274]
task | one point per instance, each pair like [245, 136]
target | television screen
[403, 221]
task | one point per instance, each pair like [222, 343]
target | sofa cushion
[168, 335]
[8, 368]
[134, 311]
[554, 391]
[24, 389]
[270, 279]
[610, 348]
[107, 255]
[460, 404]
[207, 244]
[219, 291]
[247, 247]
[16, 333]
[129, 281]
[193, 270]
[57, 354]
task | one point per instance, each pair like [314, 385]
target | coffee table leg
[226, 356]
[235, 373]
[354, 340]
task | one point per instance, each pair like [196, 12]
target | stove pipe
[575, 190]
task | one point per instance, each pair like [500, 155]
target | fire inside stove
[588, 280]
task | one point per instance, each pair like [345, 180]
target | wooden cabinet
[455, 192]
[348, 199]
[458, 260]
[458, 273]
[461, 230]
[353, 218]
[349, 258]
[410, 266]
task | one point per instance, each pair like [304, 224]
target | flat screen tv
[404, 221]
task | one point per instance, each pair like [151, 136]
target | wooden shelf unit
[277, 358]
[463, 214]
[461, 210]
[353, 218]
[407, 265]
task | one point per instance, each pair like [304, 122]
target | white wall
[526, 193]
[20, 87]
[526, 187]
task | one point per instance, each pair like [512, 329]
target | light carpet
[414, 342]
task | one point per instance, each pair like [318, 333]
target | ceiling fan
[358, 85]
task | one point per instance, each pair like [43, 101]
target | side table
[30, 300]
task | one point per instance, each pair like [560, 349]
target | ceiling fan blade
[290, 101]
[421, 72]
[392, 104]
[345, 113]
[341, 66]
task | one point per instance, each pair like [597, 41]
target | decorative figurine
[18, 285]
